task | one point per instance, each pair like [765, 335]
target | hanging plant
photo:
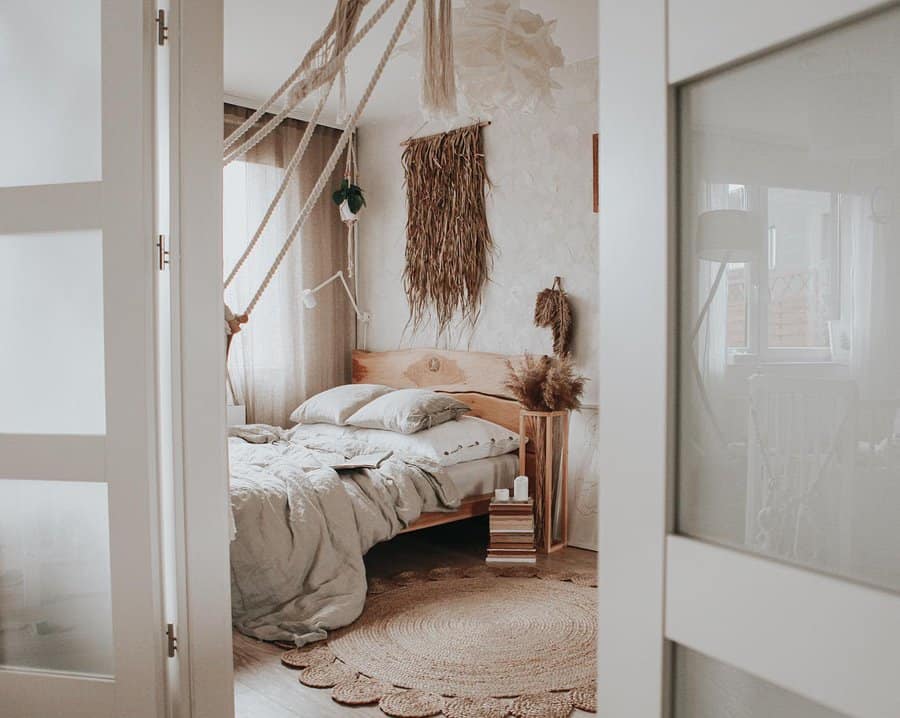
[350, 199]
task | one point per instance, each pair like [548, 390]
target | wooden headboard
[477, 378]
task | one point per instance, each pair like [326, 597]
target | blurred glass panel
[55, 608]
[51, 350]
[707, 688]
[789, 431]
[50, 75]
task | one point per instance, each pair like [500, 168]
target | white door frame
[201, 473]
[655, 586]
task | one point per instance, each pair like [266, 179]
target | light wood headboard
[477, 378]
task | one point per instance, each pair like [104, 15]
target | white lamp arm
[361, 315]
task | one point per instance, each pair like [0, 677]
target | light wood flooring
[265, 689]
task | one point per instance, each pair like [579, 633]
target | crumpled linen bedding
[302, 528]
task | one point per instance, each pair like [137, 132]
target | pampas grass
[546, 383]
[552, 309]
[449, 249]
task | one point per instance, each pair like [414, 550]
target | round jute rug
[482, 635]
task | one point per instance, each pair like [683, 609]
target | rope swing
[319, 69]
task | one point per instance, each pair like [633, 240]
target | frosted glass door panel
[51, 350]
[706, 688]
[790, 329]
[50, 75]
[55, 609]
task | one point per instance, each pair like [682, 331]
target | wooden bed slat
[469, 508]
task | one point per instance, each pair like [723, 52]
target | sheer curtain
[286, 352]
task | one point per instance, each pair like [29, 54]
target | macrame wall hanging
[553, 309]
[449, 249]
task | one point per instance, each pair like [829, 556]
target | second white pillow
[408, 411]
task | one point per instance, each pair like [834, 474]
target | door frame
[196, 30]
[655, 586]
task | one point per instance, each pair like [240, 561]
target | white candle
[501, 494]
[520, 488]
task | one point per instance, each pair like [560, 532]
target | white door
[750, 541]
[81, 630]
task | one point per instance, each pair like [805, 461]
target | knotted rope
[303, 88]
[286, 180]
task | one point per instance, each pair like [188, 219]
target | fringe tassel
[449, 249]
[438, 70]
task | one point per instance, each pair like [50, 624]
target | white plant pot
[346, 214]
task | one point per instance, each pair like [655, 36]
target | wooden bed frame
[476, 378]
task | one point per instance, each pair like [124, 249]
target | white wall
[541, 217]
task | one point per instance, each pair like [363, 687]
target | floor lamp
[723, 236]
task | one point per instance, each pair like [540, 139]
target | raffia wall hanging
[449, 249]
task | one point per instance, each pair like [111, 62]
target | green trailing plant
[351, 194]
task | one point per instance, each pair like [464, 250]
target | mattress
[482, 476]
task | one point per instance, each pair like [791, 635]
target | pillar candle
[520, 488]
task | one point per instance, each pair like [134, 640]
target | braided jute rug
[465, 643]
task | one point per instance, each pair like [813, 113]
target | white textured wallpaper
[541, 217]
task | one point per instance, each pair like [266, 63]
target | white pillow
[452, 442]
[335, 406]
[408, 411]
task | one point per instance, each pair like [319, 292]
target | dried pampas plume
[552, 309]
[546, 383]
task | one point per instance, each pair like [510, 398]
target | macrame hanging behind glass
[449, 249]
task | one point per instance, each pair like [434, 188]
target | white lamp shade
[309, 299]
[727, 235]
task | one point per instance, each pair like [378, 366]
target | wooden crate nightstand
[545, 460]
[512, 532]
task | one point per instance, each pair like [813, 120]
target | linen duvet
[302, 528]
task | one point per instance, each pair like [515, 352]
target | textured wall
[540, 213]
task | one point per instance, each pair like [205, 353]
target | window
[782, 306]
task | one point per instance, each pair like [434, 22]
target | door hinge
[172, 640]
[162, 252]
[162, 30]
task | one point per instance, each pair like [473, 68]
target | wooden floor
[263, 688]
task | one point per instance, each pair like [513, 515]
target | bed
[305, 513]
[476, 378]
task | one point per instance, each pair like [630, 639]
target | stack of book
[512, 532]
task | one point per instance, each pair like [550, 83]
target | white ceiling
[265, 39]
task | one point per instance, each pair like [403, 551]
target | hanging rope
[335, 155]
[315, 55]
[307, 85]
[286, 180]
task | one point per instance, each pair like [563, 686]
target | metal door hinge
[162, 252]
[172, 640]
[162, 30]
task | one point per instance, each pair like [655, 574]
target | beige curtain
[286, 352]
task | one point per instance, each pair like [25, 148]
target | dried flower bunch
[546, 383]
[552, 309]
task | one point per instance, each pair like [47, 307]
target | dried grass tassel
[449, 248]
[438, 69]
[552, 309]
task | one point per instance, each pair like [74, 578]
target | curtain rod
[405, 142]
